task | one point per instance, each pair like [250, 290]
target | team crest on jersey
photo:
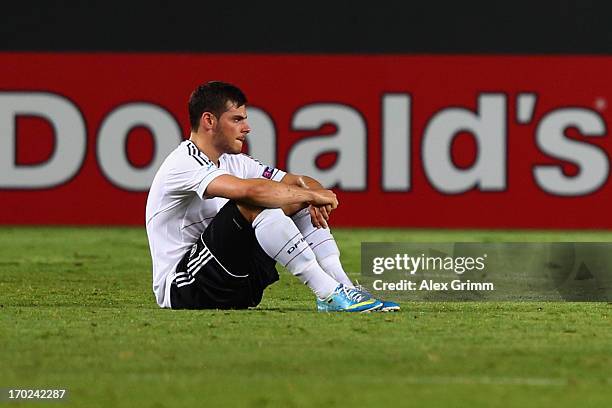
[268, 172]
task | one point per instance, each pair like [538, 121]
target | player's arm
[267, 193]
[319, 214]
[297, 180]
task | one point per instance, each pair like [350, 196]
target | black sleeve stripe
[198, 160]
[197, 155]
[191, 152]
[201, 156]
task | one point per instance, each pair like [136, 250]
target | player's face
[231, 130]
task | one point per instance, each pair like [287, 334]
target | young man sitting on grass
[219, 220]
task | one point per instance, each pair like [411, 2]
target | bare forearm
[267, 193]
[311, 183]
[318, 213]
[303, 182]
[296, 180]
[270, 194]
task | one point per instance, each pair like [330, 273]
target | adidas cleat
[344, 299]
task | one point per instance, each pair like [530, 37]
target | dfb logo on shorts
[194, 248]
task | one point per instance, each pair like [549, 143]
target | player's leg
[327, 253]
[324, 246]
[233, 262]
[281, 240]
[225, 268]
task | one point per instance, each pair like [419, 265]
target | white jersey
[178, 211]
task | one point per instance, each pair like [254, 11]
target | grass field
[77, 312]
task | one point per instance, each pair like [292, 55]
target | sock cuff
[268, 214]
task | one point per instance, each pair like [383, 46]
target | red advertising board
[406, 141]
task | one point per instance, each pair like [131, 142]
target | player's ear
[207, 121]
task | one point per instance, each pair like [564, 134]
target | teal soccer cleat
[387, 305]
[344, 299]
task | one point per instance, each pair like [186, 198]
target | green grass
[77, 312]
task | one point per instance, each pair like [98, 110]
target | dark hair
[214, 97]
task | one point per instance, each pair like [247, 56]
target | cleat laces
[354, 295]
[361, 288]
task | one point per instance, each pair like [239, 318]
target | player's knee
[293, 209]
[249, 212]
[273, 214]
[273, 218]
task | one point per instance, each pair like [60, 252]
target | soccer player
[218, 220]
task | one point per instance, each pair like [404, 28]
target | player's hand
[320, 215]
[321, 197]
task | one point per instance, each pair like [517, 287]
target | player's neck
[206, 148]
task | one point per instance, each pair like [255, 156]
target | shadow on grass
[283, 309]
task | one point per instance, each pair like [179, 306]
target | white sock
[280, 239]
[323, 245]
